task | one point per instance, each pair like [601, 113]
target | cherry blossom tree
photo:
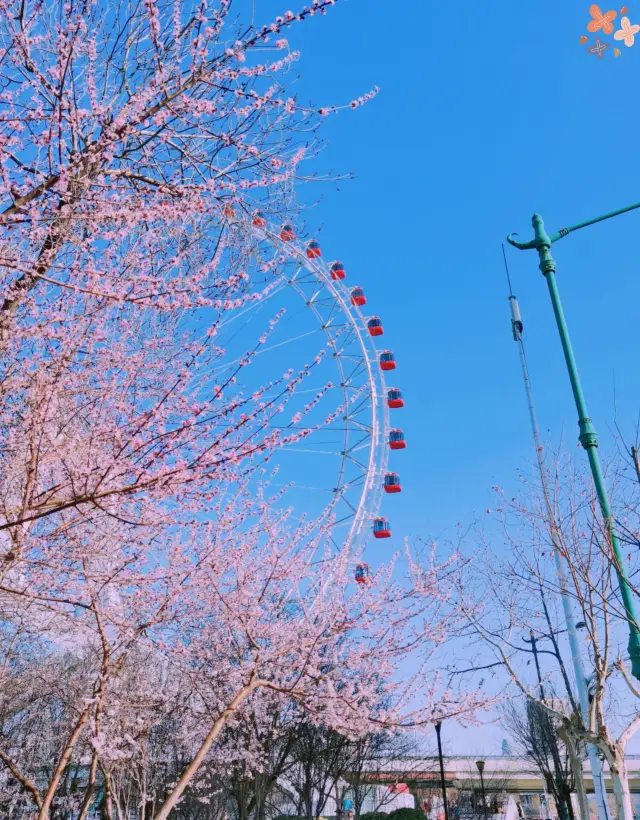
[127, 137]
[150, 575]
[251, 615]
[130, 140]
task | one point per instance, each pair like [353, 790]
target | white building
[514, 788]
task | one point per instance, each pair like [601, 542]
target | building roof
[517, 772]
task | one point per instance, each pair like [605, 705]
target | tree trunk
[576, 768]
[88, 795]
[108, 796]
[618, 773]
[565, 798]
[62, 764]
[192, 768]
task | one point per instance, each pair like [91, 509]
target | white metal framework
[364, 421]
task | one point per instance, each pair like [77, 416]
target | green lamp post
[588, 437]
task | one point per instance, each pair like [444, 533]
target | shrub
[406, 814]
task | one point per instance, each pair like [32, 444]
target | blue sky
[487, 112]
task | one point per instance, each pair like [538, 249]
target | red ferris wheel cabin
[381, 528]
[313, 250]
[337, 271]
[387, 360]
[362, 573]
[392, 483]
[394, 398]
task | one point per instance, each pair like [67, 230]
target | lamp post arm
[554, 237]
[523, 246]
[602, 218]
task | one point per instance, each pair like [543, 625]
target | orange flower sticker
[600, 20]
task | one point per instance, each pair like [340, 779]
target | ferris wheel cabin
[337, 271]
[229, 211]
[381, 528]
[362, 573]
[394, 398]
[287, 234]
[313, 250]
[357, 297]
[392, 483]
[387, 360]
[374, 326]
[397, 440]
[259, 220]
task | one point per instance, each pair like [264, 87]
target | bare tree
[535, 733]
[381, 759]
[517, 591]
[471, 802]
[321, 758]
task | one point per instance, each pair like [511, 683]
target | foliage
[406, 814]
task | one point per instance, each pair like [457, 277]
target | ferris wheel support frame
[374, 472]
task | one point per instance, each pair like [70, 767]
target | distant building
[514, 789]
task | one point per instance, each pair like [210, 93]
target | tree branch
[27, 784]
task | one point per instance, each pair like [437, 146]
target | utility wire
[506, 267]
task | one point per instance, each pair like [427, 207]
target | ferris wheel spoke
[357, 370]
[307, 451]
[351, 424]
[355, 462]
[345, 519]
[325, 301]
[252, 307]
[361, 446]
[356, 361]
[301, 487]
[359, 408]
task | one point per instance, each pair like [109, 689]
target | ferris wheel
[343, 466]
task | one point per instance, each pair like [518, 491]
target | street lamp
[442, 783]
[588, 438]
[480, 765]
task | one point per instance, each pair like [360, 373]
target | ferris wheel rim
[371, 492]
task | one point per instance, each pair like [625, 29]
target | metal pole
[588, 438]
[484, 798]
[480, 765]
[567, 605]
[442, 783]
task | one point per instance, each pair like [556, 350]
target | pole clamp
[547, 262]
[588, 436]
